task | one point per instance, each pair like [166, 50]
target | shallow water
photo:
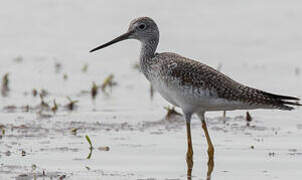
[257, 43]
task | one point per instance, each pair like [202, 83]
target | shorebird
[192, 86]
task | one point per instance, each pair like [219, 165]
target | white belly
[187, 97]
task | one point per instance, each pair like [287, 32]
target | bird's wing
[193, 73]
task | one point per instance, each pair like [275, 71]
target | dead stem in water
[248, 118]
[74, 131]
[58, 67]
[5, 83]
[18, 59]
[43, 104]
[25, 108]
[103, 148]
[34, 92]
[108, 82]
[151, 92]
[136, 66]
[171, 112]
[297, 71]
[65, 76]
[94, 90]
[54, 108]
[85, 68]
[72, 104]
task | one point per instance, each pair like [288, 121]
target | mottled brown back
[191, 72]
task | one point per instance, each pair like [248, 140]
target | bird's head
[143, 29]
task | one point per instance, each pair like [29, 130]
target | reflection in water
[210, 168]
[190, 167]
[90, 153]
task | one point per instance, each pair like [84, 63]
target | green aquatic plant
[108, 82]
[89, 142]
[90, 147]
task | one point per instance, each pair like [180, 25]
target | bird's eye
[142, 26]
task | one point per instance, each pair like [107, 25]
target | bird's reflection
[189, 166]
[210, 168]
[190, 163]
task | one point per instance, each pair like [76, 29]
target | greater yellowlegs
[193, 86]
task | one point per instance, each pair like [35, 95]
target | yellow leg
[210, 150]
[210, 145]
[189, 152]
[190, 147]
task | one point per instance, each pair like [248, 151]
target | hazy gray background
[256, 42]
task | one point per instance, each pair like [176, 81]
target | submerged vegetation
[4, 85]
[90, 147]
[108, 83]
[248, 118]
[171, 112]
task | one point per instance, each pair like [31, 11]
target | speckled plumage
[191, 85]
[176, 71]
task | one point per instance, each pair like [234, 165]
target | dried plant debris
[10, 108]
[171, 112]
[2, 131]
[43, 104]
[219, 67]
[18, 59]
[297, 71]
[25, 108]
[23, 153]
[13, 108]
[72, 104]
[62, 177]
[34, 92]
[151, 92]
[94, 90]
[248, 118]
[58, 67]
[5, 85]
[224, 114]
[74, 131]
[54, 108]
[108, 82]
[65, 76]
[42, 114]
[43, 92]
[85, 68]
[103, 148]
[137, 66]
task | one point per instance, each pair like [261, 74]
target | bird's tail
[281, 102]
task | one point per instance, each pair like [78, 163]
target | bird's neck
[148, 49]
[147, 53]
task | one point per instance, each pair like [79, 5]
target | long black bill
[118, 39]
